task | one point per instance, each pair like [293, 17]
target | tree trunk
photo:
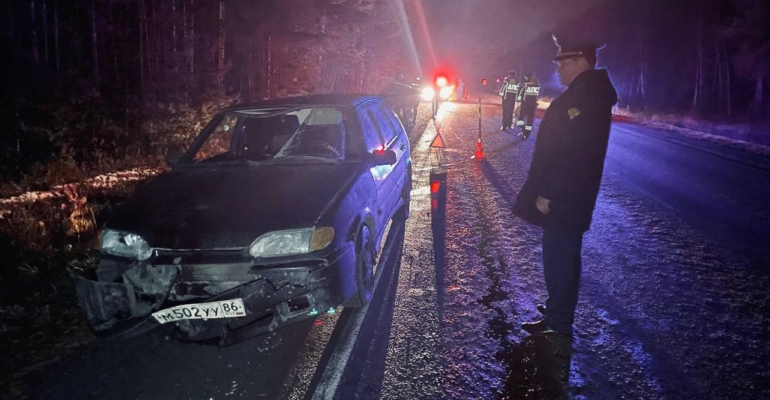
[14, 54]
[154, 56]
[698, 80]
[716, 85]
[699, 68]
[756, 109]
[12, 48]
[221, 49]
[188, 15]
[45, 32]
[114, 46]
[35, 52]
[251, 71]
[190, 39]
[142, 33]
[173, 31]
[162, 48]
[729, 87]
[75, 21]
[642, 69]
[56, 34]
[94, 47]
[268, 74]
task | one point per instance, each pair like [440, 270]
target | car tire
[403, 213]
[365, 261]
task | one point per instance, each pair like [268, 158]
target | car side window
[353, 137]
[391, 117]
[370, 130]
[383, 121]
[219, 141]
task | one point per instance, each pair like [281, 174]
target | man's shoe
[541, 308]
[540, 328]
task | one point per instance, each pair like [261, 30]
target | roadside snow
[100, 182]
[738, 130]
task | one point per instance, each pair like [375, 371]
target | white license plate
[218, 309]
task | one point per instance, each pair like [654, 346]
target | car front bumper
[122, 298]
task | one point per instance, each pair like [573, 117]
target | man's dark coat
[569, 155]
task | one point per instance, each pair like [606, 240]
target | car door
[374, 142]
[395, 139]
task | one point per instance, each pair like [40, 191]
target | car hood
[228, 207]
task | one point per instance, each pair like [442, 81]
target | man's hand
[543, 204]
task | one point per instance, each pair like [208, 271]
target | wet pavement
[673, 303]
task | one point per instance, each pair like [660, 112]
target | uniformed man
[416, 90]
[509, 91]
[563, 182]
[529, 93]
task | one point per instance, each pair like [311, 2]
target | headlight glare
[124, 244]
[428, 94]
[446, 92]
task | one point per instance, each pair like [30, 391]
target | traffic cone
[479, 150]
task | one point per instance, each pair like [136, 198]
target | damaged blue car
[274, 214]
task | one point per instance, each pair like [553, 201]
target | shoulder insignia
[573, 113]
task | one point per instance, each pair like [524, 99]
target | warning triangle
[438, 142]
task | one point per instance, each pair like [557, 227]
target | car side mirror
[173, 155]
[382, 157]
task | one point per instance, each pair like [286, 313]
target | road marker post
[479, 155]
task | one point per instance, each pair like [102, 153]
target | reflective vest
[530, 91]
[509, 89]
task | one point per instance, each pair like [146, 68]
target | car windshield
[301, 133]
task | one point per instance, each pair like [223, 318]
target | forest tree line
[102, 84]
[107, 83]
[702, 58]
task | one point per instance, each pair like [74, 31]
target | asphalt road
[673, 303]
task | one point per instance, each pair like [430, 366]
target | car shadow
[539, 368]
[365, 370]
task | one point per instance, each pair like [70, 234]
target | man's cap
[511, 73]
[574, 47]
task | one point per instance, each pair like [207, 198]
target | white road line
[335, 367]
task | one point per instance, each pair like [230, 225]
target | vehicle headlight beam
[446, 92]
[428, 94]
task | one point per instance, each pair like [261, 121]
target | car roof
[353, 100]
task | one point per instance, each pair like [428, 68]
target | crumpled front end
[123, 293]
[123, 296]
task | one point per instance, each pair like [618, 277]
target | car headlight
[291, 242]
[124, 244]
[428, 93]
[446, 91]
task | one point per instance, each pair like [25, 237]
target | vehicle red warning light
[441, 81]
[435, 186]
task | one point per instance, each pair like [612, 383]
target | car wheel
[365, 259]
[403, 213]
